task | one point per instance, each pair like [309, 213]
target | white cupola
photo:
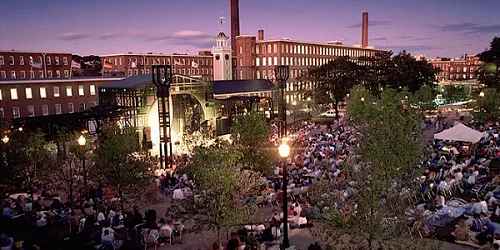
[223, 69]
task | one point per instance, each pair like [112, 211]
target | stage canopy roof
[461, 133]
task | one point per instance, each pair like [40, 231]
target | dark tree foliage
[334, 80]
[410, 73]
[489, 73]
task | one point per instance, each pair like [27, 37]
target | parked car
[329, 113]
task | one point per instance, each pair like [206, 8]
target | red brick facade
[459, 69]
[124, 65]
[16, 65]
[256, 59]
[25, 98]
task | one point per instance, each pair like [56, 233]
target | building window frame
[29, 93]
[13, 94]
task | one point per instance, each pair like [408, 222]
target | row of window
[43, 92]
[189, 72]
[291, 61]
[160, 60]
[269, 74]
[289, 48]
[457, 69]
[21, 60]
[456, 76]
[44, 110]
[13, 75]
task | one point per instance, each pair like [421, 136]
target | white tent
[460, 132]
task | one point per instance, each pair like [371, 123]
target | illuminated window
[92, 89]
[69, 91]
[28, 92]
[13, 94]
[43, 92]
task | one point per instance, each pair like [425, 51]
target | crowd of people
[459, 198]
[97, 221]
[460, 189]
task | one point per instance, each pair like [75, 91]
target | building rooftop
[75, 79]
[330, 44]
[231, 87]
[34, 52]
[156, 54]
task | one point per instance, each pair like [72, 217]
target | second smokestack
[364, 30]
[234, 6]
[260, 35]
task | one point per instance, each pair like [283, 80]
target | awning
[461, 133]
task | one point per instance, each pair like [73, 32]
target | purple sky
[430, 27]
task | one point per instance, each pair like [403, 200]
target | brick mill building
[256, 58]
[30, 98]
[18, 65]
[456, 69]
[133, 64]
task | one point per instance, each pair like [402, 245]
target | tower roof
[221, 35]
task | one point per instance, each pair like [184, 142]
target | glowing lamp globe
[284, 150]
[81, 140]
[5, 139]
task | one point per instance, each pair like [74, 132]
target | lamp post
[82, 142]
[5, 140]
[284, 152]
[282, 73]
[481, 94]
[162, 78]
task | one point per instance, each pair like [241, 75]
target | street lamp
[362, 99]
[82, 142]
[481, 94]
[282, 73]
[284, 152]
[5, 139]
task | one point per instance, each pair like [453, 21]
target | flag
[75, 65]
[37, 65]
[194, 64]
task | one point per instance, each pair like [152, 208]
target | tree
[250, 134]
[490, 71]
[225, 188]
[37, 153]
[380, 175]
[410, 73]
[424, 98]
[487, 107]
[377, 71]
[121, 164]
[334, 80]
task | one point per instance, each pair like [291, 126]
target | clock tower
[223, 69]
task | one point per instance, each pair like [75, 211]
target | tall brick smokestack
[364, 30]
[235, 22]
[260, 35]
